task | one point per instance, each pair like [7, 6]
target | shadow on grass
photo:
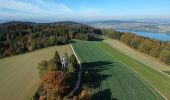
[73, 41]
[96, 75]
[103, 95]
[97, 64]
[167, 72]
[93, 38]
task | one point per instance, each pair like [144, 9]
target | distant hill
[17, 22]
[111, 22]
[149, 21]
[68, 23]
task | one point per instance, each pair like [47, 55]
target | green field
[111, 77]
[19, 77]
[160, 81]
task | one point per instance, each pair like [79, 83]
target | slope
[19, 77]
[111, 78]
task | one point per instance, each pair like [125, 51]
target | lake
[157, 36]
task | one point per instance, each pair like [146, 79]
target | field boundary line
[79, 74]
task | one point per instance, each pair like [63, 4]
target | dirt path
[145, 59]
[79, 75]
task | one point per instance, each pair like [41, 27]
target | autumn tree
[146, 46]
[85, 94]
[55, 84]
[136, 41]
[115, 34]
[155, 49]
[127, 38]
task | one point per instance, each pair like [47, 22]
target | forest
[154, 48]
[20, 37]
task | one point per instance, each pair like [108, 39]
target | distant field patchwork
[112, 79]
[19, 77]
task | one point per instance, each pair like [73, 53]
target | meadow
[19, 76]
[111, 77]
[154, 76]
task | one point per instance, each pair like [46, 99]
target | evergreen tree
[43, 67]
[57, 61]
[73, 59]
[71, 68]
[56, 57]
[72, 65]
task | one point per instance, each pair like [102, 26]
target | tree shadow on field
[99, 72]
[96, 72]
[167, 72]
[103, 95]
[93, 38]
[73, 41]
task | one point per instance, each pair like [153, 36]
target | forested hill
[17, 22]
[52, 23]
[19, 37]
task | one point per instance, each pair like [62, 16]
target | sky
[83, 10]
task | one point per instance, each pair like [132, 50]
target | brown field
[19, 77]
[143, 58]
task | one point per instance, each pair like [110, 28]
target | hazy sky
[82, 10]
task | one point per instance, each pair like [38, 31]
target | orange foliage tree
[55, 84]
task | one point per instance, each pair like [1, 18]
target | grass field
[157, 79]
[19, 77]
[111, 77]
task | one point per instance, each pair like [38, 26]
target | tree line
[154, 48]
[16, 38]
